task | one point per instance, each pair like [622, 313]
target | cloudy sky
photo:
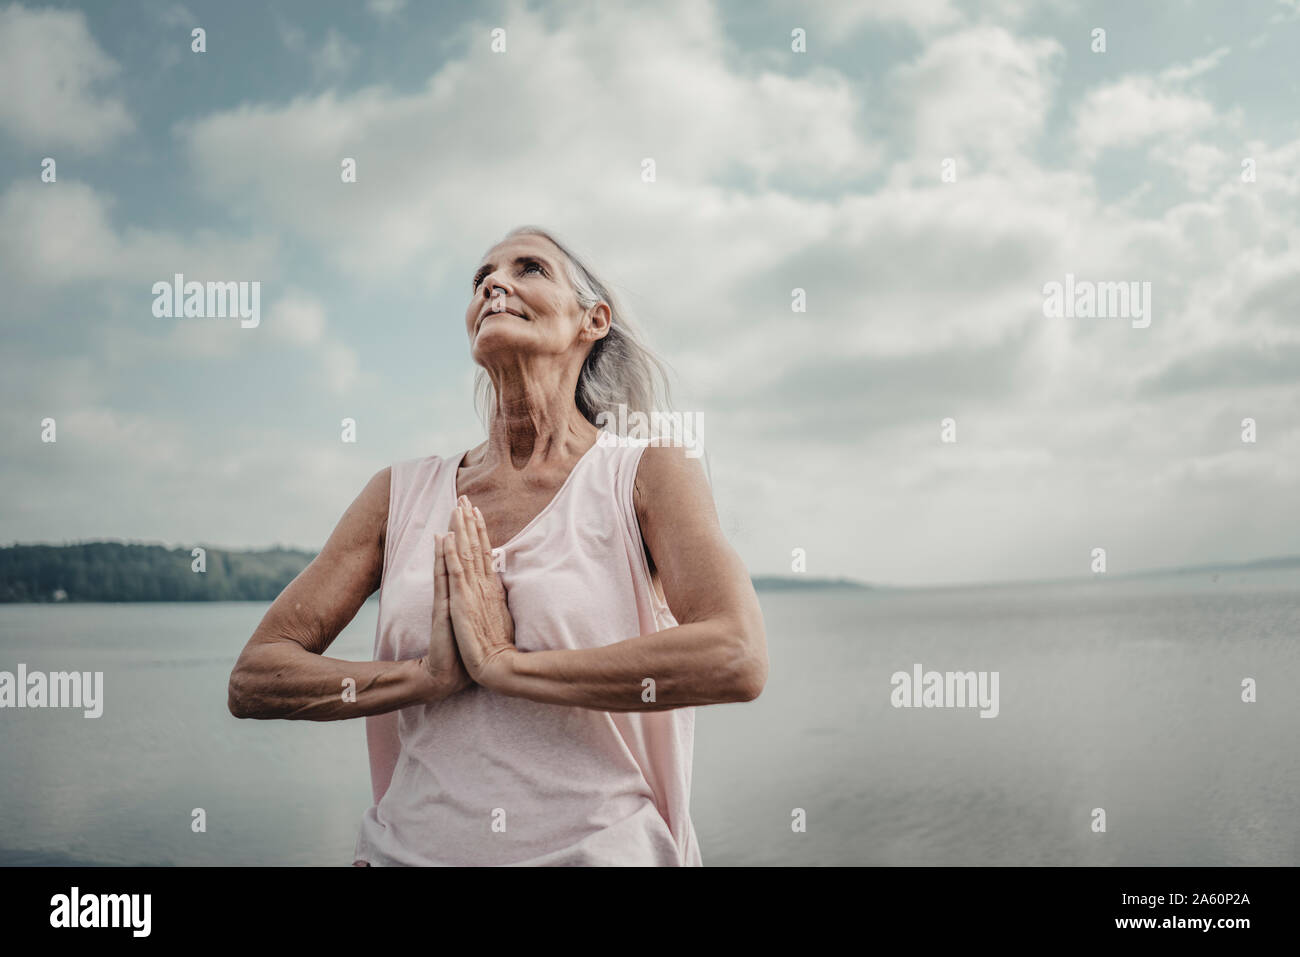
[775, 170]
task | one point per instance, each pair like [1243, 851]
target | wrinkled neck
[535, 418]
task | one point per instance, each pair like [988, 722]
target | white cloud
[335, 56]
[384, 9]
[1180, 72]
[1134, 110]
[55, 233]
[432, 165]
[1290, 11]
[833, 24]
[298, 319]
[179, 15]
[1202, 166]
[331, 60]
[342, 367]
[981, 94]
[55, 77]
[1139, 108]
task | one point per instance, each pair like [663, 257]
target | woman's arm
[718, 651]
[282, 672]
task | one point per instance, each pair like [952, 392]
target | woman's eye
[478, 280]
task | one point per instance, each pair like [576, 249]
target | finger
[471, 537]
[439, 575]
[457, 513]
[457, 523]
[485, 544]
[461, 544]
[455, 573]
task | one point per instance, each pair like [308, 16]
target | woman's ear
[596, 325]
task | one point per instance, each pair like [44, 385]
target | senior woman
[553, 604]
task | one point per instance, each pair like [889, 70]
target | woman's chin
[498, 337]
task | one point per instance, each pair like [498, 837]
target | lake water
[1120, 695]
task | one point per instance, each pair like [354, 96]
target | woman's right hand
[443, 662]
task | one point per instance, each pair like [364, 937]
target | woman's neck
[535, 422]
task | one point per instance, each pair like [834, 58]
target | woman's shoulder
[414, 477]
[667, 462]
[424, 463]
[666, 475]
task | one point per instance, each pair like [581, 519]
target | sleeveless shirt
[481, 778]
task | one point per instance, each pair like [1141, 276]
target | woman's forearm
[693, 664]
[281, 679]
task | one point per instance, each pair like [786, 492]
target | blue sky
[775, 170]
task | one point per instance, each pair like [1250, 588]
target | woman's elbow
[748, 672]
[752, 679]
[244, 697]
[237, 697]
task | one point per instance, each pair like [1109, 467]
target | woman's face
[523, 303]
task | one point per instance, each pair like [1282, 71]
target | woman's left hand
[480, 618]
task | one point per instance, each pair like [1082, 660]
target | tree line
[118, 571]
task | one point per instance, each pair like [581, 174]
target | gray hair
[621, 368]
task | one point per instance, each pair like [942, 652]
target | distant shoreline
[132, 572]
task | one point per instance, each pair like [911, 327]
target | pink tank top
[481, 778]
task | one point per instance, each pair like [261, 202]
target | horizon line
[795, 577]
